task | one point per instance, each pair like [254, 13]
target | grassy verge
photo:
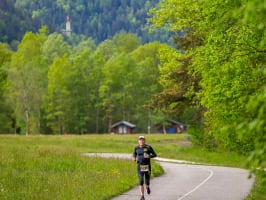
[51, 167]
[259, 190]
[41, 172]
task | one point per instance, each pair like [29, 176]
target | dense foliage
[14, 22]
[50, 86]
[215, 75]
[227, 45]
[98, 19]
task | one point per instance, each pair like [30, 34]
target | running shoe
[148, 190]
[142, 198]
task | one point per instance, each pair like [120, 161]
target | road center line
[198, 186]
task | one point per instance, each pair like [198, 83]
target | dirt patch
[184, 143]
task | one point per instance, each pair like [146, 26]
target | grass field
[52, 167]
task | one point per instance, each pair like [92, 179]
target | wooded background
[98, 19]
[212, 78]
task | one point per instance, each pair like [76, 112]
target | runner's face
[141, 142]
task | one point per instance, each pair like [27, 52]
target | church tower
[67, 31]
[68, 25]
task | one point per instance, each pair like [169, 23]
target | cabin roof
[124, 123]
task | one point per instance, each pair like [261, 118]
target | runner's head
[141, 140]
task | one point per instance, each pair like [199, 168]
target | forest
[98, 19]
[213, 78]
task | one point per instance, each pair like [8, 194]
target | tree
[84, 87]
[58, 94]
[230, 64]
[126, 42]
[147, 78]
[96, 81]
[107, 48]
[7, 119]
[179, 81]
[54, 46]
[26, 86]
[115, 90]
[117, 87]
[254, 126]
[225, 43]
[77, 85]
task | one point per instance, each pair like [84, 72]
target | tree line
[50, 87]
[98, 19]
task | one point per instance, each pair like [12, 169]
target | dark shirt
[138, 154]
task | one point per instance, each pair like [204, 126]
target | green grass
[51, 167]
[259, 189]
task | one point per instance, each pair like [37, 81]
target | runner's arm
[152, 153]
[134, 156]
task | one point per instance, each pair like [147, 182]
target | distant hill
[14, 22]
[98, 19]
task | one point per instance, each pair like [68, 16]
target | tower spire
[68, 26]
[67, 31]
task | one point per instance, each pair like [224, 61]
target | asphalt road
[192, 182]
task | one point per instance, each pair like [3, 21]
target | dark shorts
[144, 176]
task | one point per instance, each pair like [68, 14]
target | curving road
[192, 182]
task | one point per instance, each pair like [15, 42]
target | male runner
[142, 155]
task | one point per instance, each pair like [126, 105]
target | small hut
[123, 127]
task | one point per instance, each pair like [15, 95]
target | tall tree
[228, 59]
[7, 119]
[79, 88]
[230, 64]
[95, 83]
[86, 78]
[59, 96]
[26, 86]
[179, 81]
[254, 43]
[115, 90]
[146, 83]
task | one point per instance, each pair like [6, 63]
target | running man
[142, 155]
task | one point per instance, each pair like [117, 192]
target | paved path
[192, 182]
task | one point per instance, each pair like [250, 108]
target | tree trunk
[27, 123]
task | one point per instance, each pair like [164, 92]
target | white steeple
[68, 25]
[68, 30]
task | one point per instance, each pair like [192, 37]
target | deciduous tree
[26, 81]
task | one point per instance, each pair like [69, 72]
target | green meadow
[53, 167]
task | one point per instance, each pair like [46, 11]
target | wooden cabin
[123, 127]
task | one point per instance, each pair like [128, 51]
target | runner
[142, 155]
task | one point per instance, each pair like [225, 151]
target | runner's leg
[147, 181]
[141, 183]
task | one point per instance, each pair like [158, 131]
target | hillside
[98, 19]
